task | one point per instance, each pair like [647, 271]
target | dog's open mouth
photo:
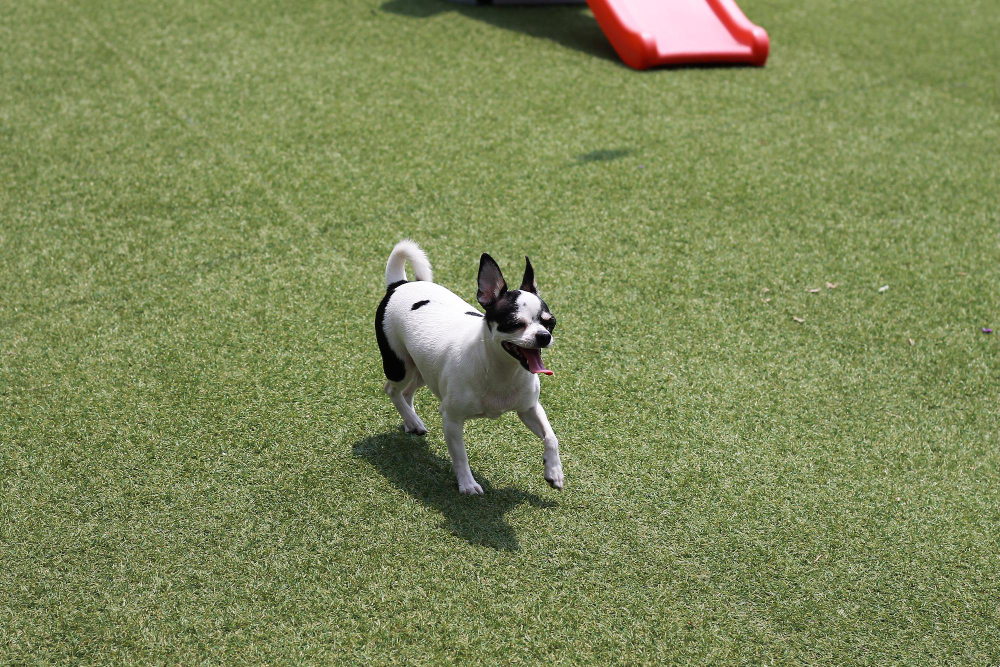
[530, 357]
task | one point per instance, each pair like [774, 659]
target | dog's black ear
[528, 283]
[491, 283]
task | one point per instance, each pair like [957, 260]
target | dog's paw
[554, 476]
[471, 488]
[416, 427]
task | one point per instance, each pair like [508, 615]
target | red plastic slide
[646, 33]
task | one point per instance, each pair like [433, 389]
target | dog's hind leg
[401, 394]
[416, 383]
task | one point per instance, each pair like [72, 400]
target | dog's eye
[549, 323]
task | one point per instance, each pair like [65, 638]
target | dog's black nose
[543, 338]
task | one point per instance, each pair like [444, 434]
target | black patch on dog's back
[420, 303]
[392, 366]
[473, 313]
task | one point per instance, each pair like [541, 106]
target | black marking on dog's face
[473, 313]
[504, 313]
[420, 303]
[392, 366]
[505, 317]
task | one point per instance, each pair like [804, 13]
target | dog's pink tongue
[534, 359]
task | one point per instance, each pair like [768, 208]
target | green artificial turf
[197, 464]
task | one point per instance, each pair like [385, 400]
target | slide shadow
[571, 26]
[407, 462]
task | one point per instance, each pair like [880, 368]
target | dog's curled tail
[395, 268]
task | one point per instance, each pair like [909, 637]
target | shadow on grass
[407, 462]
[604, 155]
[571, 26]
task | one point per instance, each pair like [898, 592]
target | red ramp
[646, 33]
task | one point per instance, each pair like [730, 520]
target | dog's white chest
[496, 405]
[496, 401]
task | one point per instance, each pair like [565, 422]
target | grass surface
[197, 463]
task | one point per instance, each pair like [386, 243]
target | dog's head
[518, 320]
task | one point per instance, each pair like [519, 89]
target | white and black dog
[478, 366]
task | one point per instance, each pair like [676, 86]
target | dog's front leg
[453, 429]
[534, 418]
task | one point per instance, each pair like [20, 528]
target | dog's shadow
[407, 462]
